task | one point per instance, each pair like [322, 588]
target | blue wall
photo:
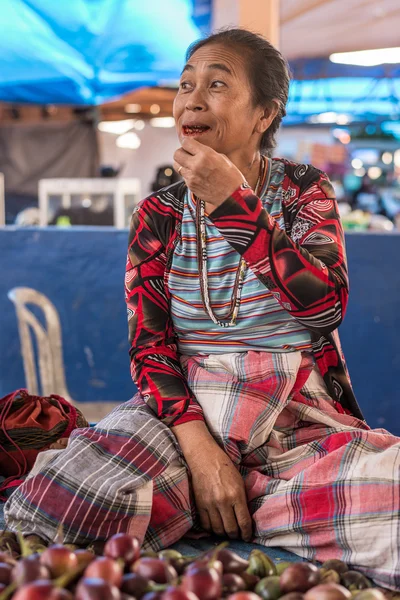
[370, 333]
[81, 271]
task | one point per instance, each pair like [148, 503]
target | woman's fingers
[230, 522]
[243, 518]
[178, 168]
[183, 158]
[204, 519]
[222, 520]
[217, 524]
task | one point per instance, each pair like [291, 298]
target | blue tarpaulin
[360, 97]
[320, 86]
[88, 51]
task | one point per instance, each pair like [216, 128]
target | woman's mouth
[194, 130]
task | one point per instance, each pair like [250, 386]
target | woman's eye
[184, 85]
[217, 84]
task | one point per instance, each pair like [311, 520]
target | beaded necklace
[230, 319]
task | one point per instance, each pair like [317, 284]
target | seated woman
[245, 423]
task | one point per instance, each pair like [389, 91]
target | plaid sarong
[319, 482]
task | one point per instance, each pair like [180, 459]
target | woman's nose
[196, 101]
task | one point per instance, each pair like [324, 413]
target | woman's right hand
[218, 487]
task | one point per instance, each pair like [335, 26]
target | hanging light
[357, 163]
[367, 58]
[117, 127]
[326, 117]
[165, 122]
[387, 158]
[139, 125]
[133, 108]
[342, 135]
[129, 140]
[360, 172]
[343, 119]
[374, 172]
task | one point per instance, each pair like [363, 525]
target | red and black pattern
[155, 365]
[304, 267]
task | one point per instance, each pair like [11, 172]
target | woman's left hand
[210, 175]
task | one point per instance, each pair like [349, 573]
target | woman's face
[214, 102]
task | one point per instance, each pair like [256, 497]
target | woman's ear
[267, 116]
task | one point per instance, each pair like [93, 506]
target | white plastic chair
[50, 361]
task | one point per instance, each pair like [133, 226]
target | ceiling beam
[260, 16]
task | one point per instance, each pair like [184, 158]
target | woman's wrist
[193, 437]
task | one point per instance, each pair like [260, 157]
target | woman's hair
[267, 70]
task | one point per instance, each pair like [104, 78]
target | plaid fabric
[125, 474]
[319, 482]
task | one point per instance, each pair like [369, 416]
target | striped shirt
[262, 322]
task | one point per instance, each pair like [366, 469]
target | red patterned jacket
[304, 267]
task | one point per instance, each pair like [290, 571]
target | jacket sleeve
[305, 266]
[155, 365]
